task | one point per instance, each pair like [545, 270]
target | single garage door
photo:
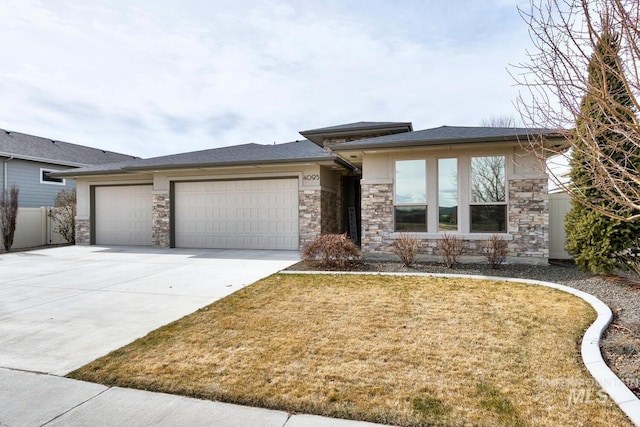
[123, 215]
[247, 214]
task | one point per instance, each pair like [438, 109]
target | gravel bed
[620, 344]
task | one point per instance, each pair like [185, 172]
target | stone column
[529, 218]
[83, 232]
[377, 217]
[309, 216]
[160, 217]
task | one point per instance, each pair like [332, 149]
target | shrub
[629, 259]
[407, 247]
[450, 248]
[332, 250]
[64, 214]
[599, 244]
[495, 250]
[8, 216]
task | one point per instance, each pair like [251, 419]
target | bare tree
[500, 121]
[556, 78]
[487, 179]
[64, 214]
[8, 216]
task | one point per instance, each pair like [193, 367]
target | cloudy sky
[149, 78]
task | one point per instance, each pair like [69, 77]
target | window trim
[426, 203]
[43, 181]
[504, 203]
[464, 192]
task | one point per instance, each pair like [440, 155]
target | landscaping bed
[399, 350]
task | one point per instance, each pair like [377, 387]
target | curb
[590, 349]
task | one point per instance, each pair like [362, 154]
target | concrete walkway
[61, 308]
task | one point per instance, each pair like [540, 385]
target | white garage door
[248, 214]
[123, 215]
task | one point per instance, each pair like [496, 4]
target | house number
[311, 177]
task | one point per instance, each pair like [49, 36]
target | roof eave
[230, 164]
[150, 168]
[347, 146]
[42, 160]
[317, 135]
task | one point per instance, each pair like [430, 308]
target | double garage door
[245, 214]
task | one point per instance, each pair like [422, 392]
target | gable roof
[237, 155]
[446, 135]
[35, 148]
[317, 135]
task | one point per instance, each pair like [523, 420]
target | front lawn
[389, 349]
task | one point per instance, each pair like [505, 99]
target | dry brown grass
[399, 350]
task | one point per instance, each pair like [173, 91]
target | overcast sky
[150, 78]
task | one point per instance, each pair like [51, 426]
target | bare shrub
[450, 247]
[407, 247]
[64, 214]
[8, 216]
[332, 250]
[495, 250]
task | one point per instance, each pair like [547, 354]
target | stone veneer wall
[160, 217]
[528, 222]
[329, 212]
[309, 216]
[529, 218]
[83, 232]
[317, 214]
[377, 217]
[339, 208]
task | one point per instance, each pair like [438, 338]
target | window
[488, 197]
[447, 194]
[411, 195]
[45, 178]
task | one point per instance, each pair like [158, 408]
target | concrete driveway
[61, 308]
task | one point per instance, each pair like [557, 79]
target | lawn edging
[590, 349]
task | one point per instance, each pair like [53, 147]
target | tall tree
[593, 238]
[568, 36]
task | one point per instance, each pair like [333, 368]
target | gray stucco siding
[26, 175]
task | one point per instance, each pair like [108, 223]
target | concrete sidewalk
[61, 308]
[29, 399]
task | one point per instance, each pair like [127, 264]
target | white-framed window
[45, 178]
[445, 194]
[448, 194]
[488, 198]
[410, 200]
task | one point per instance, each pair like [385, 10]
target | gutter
[43, 160]
[150, 168]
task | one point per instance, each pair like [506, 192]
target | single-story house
[374, 180]
[28, 161]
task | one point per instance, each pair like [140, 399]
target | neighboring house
[27, 162]
[374, 180]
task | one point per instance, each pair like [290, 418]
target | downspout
[5, 174]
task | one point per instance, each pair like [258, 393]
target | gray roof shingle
[445, 135]
[29, 147]
[237, 155]
[357, 126]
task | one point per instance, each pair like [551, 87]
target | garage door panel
[252, 214]
[123, 215]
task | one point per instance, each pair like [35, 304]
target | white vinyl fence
[34, 227]
[558, 207]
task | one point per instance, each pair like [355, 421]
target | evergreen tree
[592, 237]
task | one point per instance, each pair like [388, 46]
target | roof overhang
[42, 160]
[125, 170]
[353, 153]
[318, 135]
